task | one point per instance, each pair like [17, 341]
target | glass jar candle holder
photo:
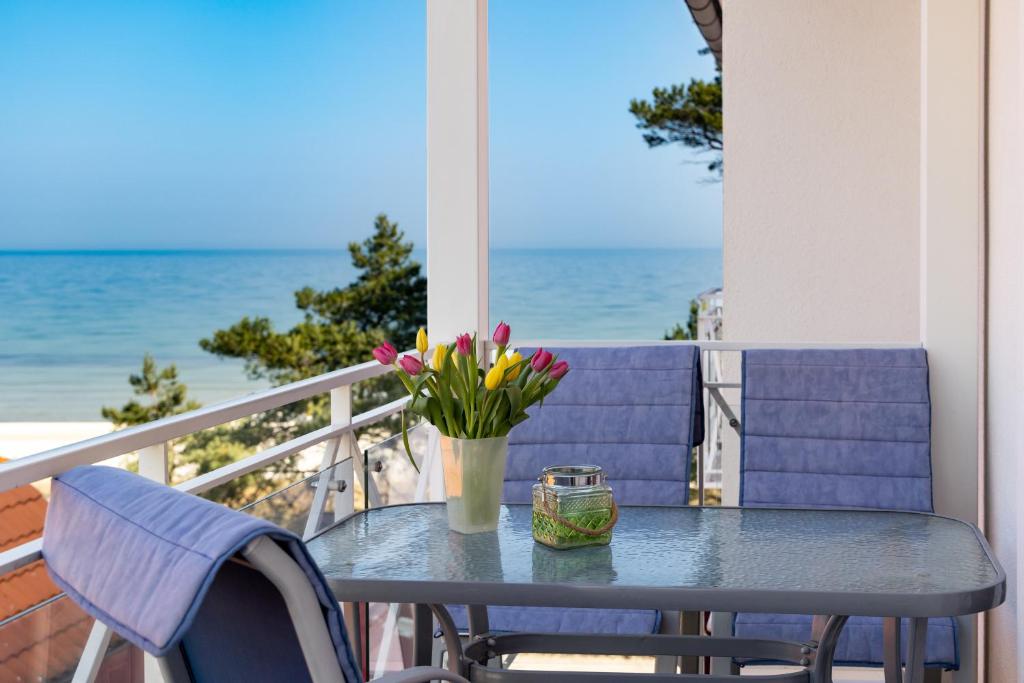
[573, 506]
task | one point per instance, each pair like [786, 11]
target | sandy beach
[18, 439]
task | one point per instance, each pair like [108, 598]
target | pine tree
[340, 327]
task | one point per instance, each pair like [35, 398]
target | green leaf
[515, 398]
[436, 416]
[405, 442]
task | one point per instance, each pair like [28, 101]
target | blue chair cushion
[860, 643]
[562, 620]
[635, 411]
[143, 558]
[836, 428]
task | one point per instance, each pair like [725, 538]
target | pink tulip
[411, 365]
[541, 359]
[501, 334]
[464, 344]
[386, 354]
[559, 369]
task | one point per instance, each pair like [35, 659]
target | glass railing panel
[391, 474]
[44, 644]
[291, 506]
[391, 479]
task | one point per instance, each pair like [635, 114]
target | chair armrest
[422, 674]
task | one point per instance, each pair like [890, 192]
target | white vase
[474, 474]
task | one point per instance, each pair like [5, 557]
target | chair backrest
[216, 594]
[836, 428]
[635, 411]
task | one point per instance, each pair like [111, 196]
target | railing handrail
[45, 464]
[717, 344]
[21, 555]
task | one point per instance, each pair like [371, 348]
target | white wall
[1005, 326]
[853, 196]
[821, 170]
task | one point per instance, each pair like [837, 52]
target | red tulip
[464, 344]
[501, 334]
[386, 354]
[559, 369]
[541, 359]
[411, 365]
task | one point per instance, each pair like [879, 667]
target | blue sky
[196, 124]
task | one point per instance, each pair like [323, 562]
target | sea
[75, 325]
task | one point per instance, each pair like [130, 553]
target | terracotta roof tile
[24, 588]
[44, 644]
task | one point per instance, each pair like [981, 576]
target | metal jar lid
[572, 475]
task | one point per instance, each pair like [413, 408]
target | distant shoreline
[77, 323]
[19, 439]
[157, 251]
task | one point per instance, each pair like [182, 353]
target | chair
[635, 411]
[839, 428]
[215, 594]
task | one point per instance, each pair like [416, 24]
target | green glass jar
[573, 506]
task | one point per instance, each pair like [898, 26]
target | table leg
[422, 635]
[915, 650]
[355, 618]
[827, 648]
[892, 655]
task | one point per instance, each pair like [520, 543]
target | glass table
[838, 563]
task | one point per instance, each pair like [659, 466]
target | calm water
[74, 325]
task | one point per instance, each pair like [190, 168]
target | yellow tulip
[421, 341]
[512, 360]
[438, 360]
[494, 376]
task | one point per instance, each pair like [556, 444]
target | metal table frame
[815, 656]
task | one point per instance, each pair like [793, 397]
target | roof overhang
[707, 14]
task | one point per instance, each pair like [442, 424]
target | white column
[952, 266]
[457, 244]
[1004, 517]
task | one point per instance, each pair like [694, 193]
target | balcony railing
[381, 474]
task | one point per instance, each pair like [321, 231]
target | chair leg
[671, 623]
[721, 625]
[679, 623]
[437, 653]
[891, 650]
[691, 627]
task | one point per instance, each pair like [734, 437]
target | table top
[850, 562]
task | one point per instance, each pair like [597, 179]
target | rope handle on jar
[582, 529]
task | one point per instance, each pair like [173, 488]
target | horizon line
[174, 250]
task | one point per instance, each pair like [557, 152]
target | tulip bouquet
[474, 406]
[465, 399]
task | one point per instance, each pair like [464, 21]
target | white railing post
[153, 465]
[333, 473]
[341, 416]
[92, 655]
